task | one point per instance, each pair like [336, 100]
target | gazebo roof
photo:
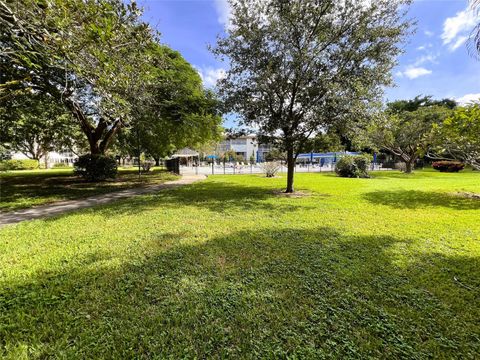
[185, 152]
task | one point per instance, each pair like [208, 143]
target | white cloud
[413, 72]
[223, 11]
[210, 75]
[457, 28]
[468, 98]
[425, 47]
[459, 42]
[428, 58]
[428, 33]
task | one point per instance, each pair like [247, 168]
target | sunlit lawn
[24, 189]
[387, 267]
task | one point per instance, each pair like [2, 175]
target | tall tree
[176, 111]
[297, 67]
[89, 55]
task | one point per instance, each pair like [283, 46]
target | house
[53, 157]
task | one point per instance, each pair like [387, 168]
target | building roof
[185, 152]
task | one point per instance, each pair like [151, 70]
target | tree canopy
[298, 67]
[89, 55]
[34, 124]
[102, 63]
[458, 136]
[406, 128]
[176, 111]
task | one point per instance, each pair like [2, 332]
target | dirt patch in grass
[296, 194]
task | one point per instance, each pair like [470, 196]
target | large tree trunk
[157, 161]
[290, 170]
[409, 166]
[99, 138]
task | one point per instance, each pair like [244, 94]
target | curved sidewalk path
[61, 207]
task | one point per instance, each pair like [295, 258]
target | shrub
[12, 164]
[96, 167]
[61, 166]
[448, 166]
[353, 166]
[270, 168]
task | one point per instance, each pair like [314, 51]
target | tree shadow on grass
[252, 294]
[414, 199]
[49, 187]
[214, 196]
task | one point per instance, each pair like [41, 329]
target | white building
[53, 157]
[247, 146]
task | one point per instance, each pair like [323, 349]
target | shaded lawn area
[227, 269]
[24, 189]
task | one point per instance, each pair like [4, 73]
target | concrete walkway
[61, 207]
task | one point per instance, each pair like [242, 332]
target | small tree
[270, 168]
[406, 129]
[35, 124]
[458, 136]
[298, 67]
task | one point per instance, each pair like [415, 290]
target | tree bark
[409, 166]
[157, 161]
[290, 170]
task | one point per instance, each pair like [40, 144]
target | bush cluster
[353, 166]
[95, 167]
[11, 164]
[61, 166]
[448, 166]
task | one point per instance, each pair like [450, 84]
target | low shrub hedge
[60, 166]
[96, 167]
[12, 164]
[353, 166]
[448, 166]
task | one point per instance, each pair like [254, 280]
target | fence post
[213, 165]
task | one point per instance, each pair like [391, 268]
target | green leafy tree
[298, 67]
[35, 124]
[458, 136]
[176, 111]
[406, 129]
[88, 55]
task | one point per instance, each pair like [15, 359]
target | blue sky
[436, 61]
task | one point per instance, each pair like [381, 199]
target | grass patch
[24, 189]
[387, 267]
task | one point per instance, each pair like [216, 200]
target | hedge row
[7, 165]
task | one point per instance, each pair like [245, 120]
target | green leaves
[298, 69]
[458, 136]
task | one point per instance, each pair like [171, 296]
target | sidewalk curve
[61, 207]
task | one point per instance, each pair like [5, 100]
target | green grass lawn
[24, 189]
[387, 267]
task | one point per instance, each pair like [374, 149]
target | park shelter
[187, 156]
